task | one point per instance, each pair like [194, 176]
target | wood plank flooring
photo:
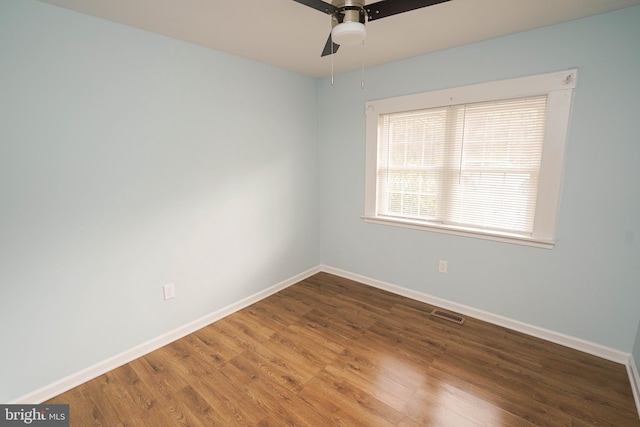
[329, 351]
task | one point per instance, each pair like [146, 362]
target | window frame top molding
[559, 88]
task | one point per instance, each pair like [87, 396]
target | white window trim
[559, 86]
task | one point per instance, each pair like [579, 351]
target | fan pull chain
[331, 43]
[362, 83]
[332, 64]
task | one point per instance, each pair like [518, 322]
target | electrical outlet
[169, 291]
[443, 266]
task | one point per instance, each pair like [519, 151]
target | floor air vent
[448, 316]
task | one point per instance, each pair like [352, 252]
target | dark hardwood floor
[329, 351]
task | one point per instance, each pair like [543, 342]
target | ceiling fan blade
[382, 9]
[319, 5]
[327, 47]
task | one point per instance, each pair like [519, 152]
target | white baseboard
[548, 335]
[634, 378]
[67, 383]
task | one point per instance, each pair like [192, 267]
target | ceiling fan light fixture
[348, 33]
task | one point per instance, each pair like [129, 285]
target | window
[484, 160]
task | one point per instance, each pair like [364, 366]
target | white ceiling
[291, 36]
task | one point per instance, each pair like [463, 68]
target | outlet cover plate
[169, 291]
[443, 266]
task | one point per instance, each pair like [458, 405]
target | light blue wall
[130, 160]
[588, 286]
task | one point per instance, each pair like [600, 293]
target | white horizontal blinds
[474, 165]
[497, 177]
[411, 159]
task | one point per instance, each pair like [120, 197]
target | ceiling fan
[348, 17]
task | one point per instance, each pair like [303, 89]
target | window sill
[461, 231]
